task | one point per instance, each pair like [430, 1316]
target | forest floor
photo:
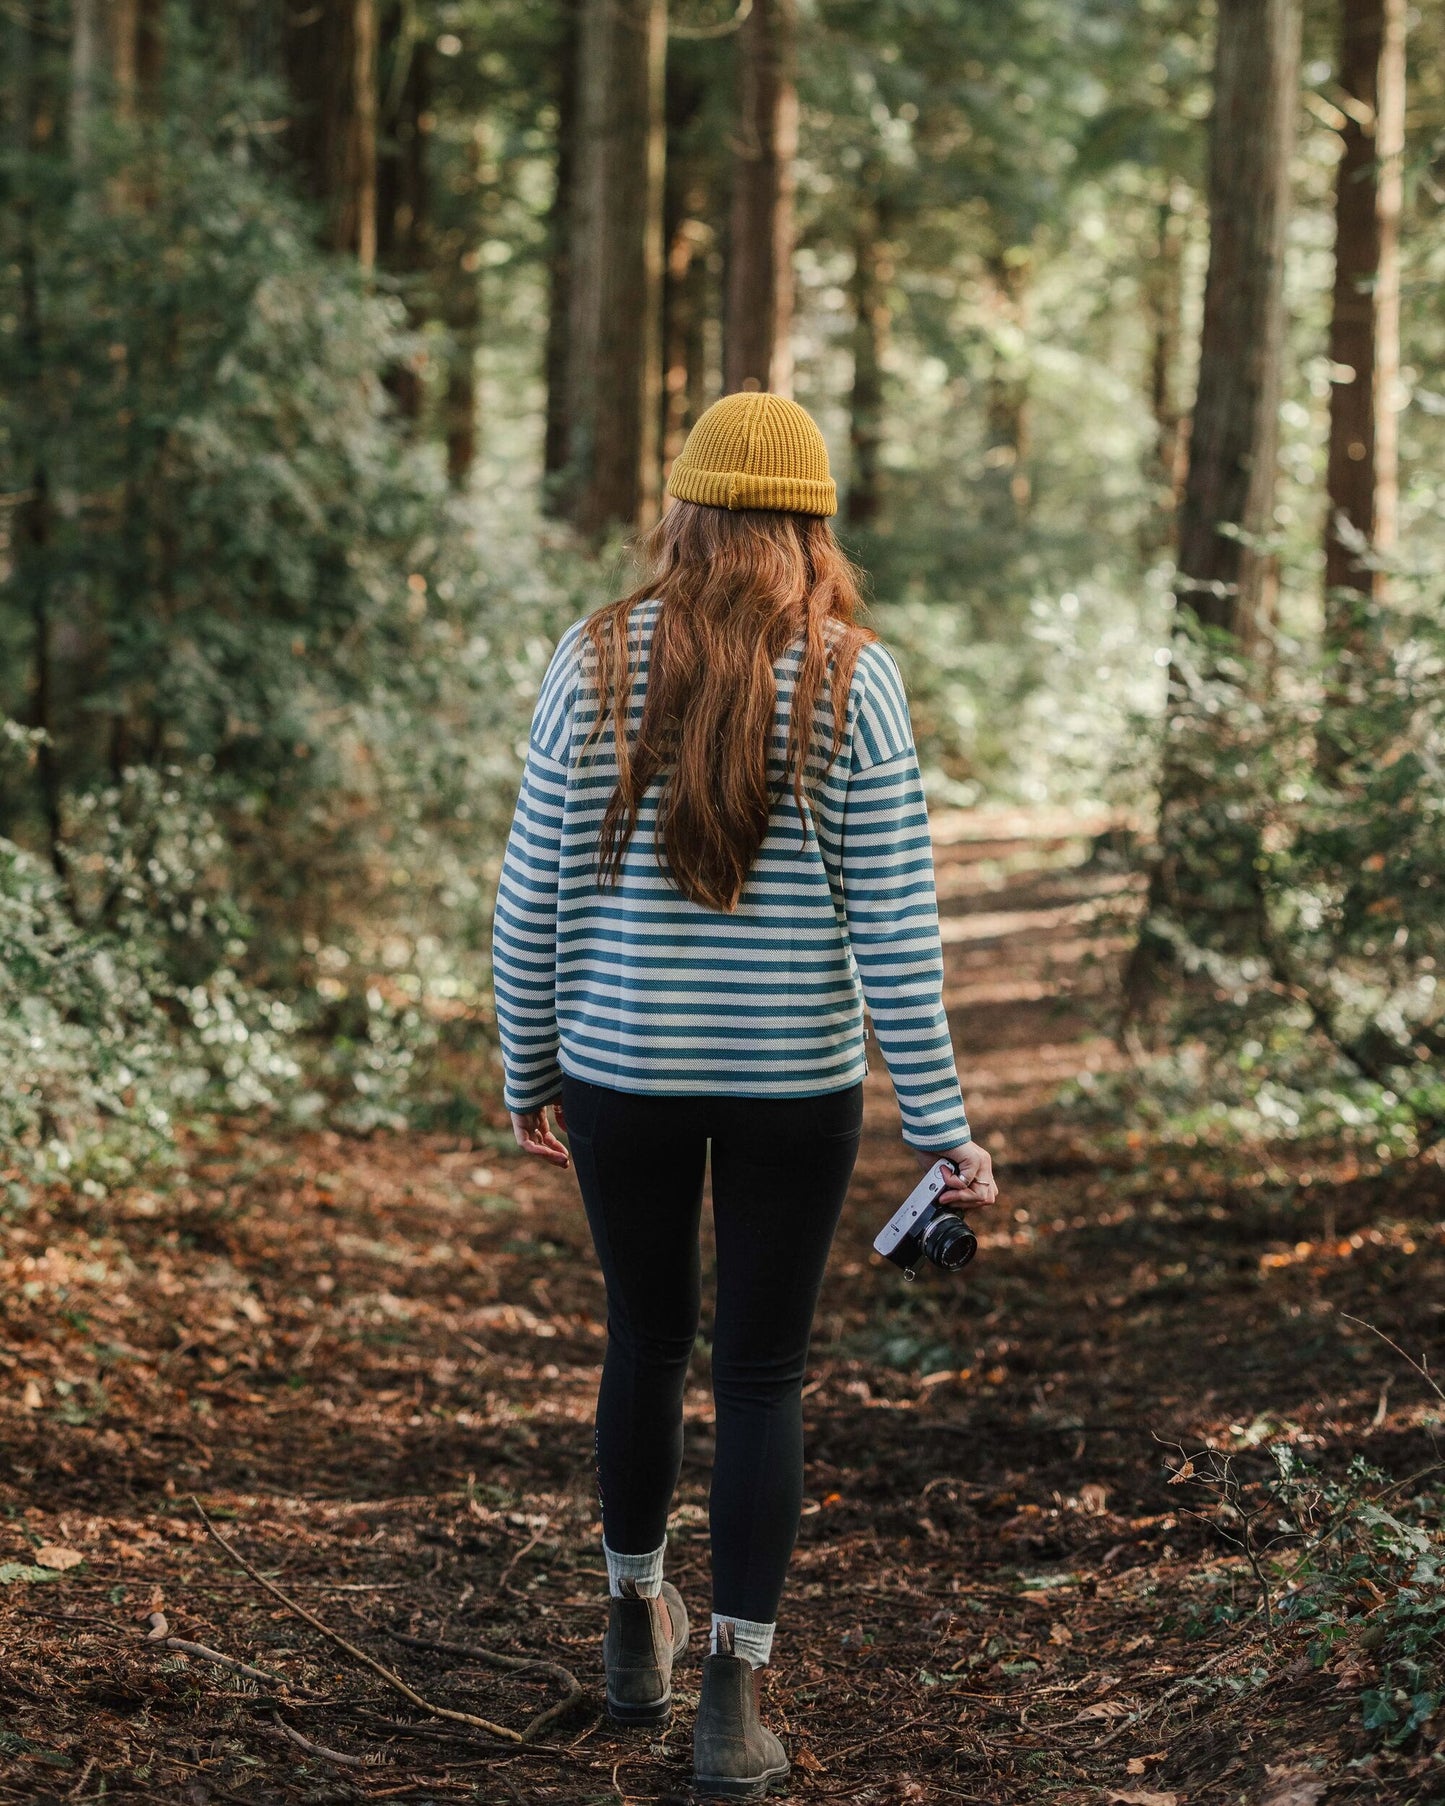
[373, 1362]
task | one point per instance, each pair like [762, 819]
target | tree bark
[403, 187]
[557, 435]
[614, 358]
[684, 356]
[464, 317]
[331, 59]
[459, 274]
[1365, 325]
[1007, 403]
[1226, 581]
[689, 204]
[872, 325]
[758, 315]
[1163, 312]
[1204, 877]
[85, 38]
[33, 572]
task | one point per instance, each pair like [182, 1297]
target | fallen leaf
[1106, 1708]
[11, 1571]
[32, 1398]
[1093, 1497]
[1182, 1474]
[57, 1556]
[804, 1759]
[1060, 1633]
[1291, 1787]
[1138, 1796]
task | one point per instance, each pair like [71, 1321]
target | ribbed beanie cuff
[755, 450]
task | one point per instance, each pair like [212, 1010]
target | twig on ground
[160, 1633]
[1419, 1366]
[504, 1732]
[526, 1549]
[875, 1737]
[493, 1658]
[1147, 1711]
[85, 1775]
[346, 1760]
[542, 1752]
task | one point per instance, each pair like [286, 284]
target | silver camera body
[920, 1230]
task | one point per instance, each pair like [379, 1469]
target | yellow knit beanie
[755, 450]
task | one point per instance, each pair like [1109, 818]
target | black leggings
[780, 1168]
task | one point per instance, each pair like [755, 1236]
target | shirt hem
[719, 1085]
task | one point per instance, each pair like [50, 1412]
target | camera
[920, 1230]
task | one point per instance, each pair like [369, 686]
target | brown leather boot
[644, 1638]
[734, 1754]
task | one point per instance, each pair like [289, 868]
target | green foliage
[1302, 864]
[1352, 1566]
[233, 573]
[274, 677]
[120, 1002]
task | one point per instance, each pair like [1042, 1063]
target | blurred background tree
[342, 348]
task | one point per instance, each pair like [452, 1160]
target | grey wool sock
[750, 1639]
[645, 1571]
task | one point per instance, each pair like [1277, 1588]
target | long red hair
[737, 588]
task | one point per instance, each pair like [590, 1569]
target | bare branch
[505, 1732]
[319, 1749]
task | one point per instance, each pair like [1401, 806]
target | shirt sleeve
[524, 922]
[892, 910]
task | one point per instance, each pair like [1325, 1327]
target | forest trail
[374, 1361]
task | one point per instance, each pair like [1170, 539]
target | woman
[721, 833]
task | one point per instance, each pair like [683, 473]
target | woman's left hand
[971, 1183]
[534, 1136]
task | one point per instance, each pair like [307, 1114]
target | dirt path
[374, 1362]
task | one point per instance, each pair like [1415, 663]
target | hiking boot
[734, 1755]
[644, 1637]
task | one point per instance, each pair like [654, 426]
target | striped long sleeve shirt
[640, 989]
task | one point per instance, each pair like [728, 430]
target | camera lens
[949, 1242]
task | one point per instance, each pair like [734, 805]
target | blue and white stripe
[640, 989]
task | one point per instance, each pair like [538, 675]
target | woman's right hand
[973, 1184]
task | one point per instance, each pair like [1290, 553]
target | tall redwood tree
[615, 268]
[1224, 580]
[1202, 879]
[758, 312]
[331, 55]
[1365, 324]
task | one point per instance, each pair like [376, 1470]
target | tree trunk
[1365, 327]
[758, 316]
[464, 317]
[1204, 878]
[557, 438]
[460, 277]
[1226, 581]
[1007, 403]
[872, 323]
[403, 190]
[614, 359]
[331, 65]
[85, 38]
[684, 357]
[122, 20]
[33, 560]
[688, 210]
[1163, 312]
